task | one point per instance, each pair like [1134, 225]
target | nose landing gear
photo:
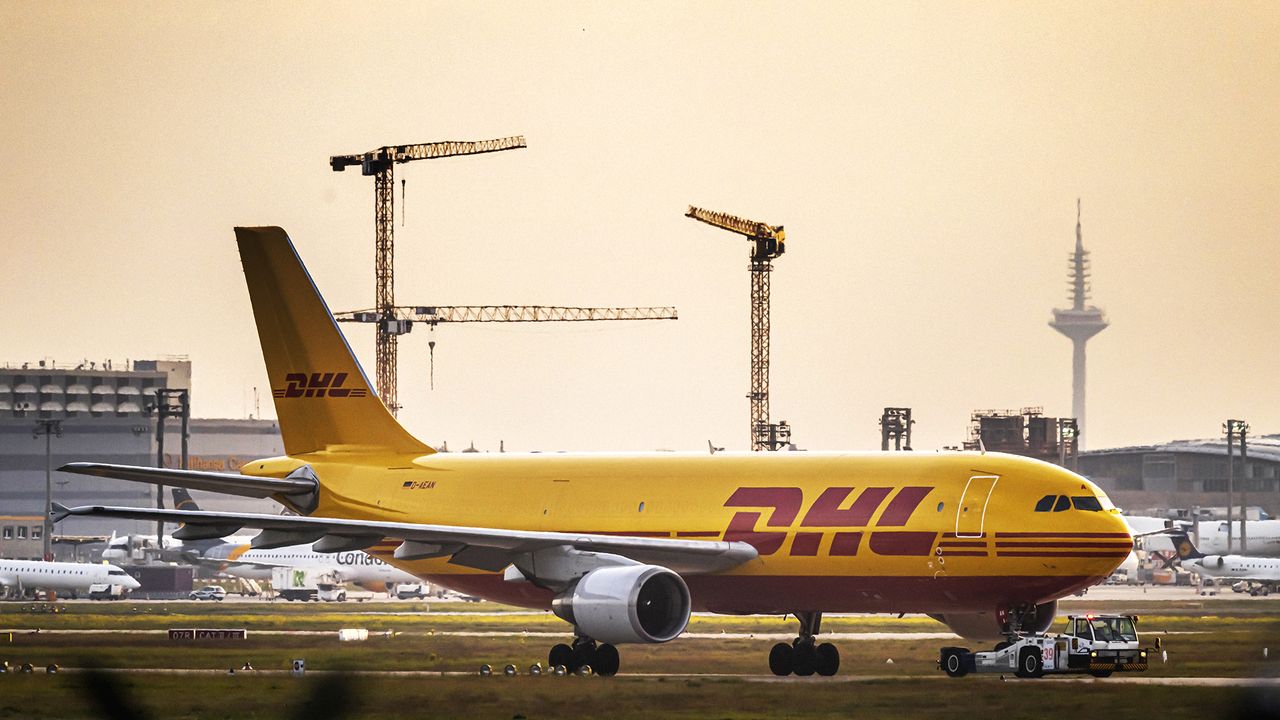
[804, 656]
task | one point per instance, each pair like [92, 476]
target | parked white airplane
[22, 575]
[128, 549]
[237, 557]
[356, 566]
[1145, 524]
[1236, 567]
[1263, 537]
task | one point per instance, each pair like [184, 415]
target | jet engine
[1212, 561]
[987, 626]
[627, 604]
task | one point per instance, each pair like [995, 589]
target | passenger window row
[1059, 503]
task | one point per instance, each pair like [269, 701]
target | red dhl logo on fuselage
[826, 512]
[317, 385]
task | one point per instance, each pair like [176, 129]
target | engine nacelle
[988, 626]
[627, 604]
[1215, 561]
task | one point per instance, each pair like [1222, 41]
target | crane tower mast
[381, 164]
[768, 243]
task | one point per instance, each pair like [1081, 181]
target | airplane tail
[323, 399]
[1186, 549]
[182, 500]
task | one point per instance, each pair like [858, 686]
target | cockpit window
[1045, 504]
[1063, 504]
[115, 572]
[1088, 502]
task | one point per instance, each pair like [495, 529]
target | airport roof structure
[1261, 447]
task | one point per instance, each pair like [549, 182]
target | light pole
[1234, 429]
[170, 402]
[48, 428]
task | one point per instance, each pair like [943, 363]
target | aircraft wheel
[805, 660]
[607, 660]
[560, 654]
[584, 654]
[828, 659]
[1029, 663]
[780, 659]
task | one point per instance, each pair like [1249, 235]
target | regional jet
[1252, 569]
[18, 576]
[624, 546]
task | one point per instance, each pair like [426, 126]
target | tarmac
[498, 676]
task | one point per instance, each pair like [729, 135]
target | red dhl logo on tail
[826, 512]
[317, 385]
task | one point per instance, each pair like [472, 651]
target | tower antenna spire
[1079, 323]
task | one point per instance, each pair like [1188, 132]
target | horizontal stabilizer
[478, 547]
[226, 483]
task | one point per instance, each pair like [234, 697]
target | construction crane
[381, 164]
[768, 243]
[433, 315]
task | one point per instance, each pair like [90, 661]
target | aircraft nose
[1117, 525]
[1118, 537]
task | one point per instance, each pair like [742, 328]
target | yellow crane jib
[770, 240]
[374, 160]
[435, 314]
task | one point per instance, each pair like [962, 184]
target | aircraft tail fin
[182, 500]
[1186, 549]
[323, 399]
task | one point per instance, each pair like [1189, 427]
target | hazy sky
[925, 159]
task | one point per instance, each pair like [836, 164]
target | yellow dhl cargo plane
[625, 546]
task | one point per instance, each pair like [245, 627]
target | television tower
[1079, 323]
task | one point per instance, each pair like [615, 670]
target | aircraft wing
[491, 549]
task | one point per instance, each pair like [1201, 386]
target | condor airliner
[242, 560]
[625, 546]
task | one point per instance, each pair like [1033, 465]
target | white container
[352, 634]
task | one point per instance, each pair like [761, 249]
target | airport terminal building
[106, 413]
[1186, 474]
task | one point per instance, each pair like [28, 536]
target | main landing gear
[803, 656]
[602, 659]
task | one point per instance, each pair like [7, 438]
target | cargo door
[973, 505]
